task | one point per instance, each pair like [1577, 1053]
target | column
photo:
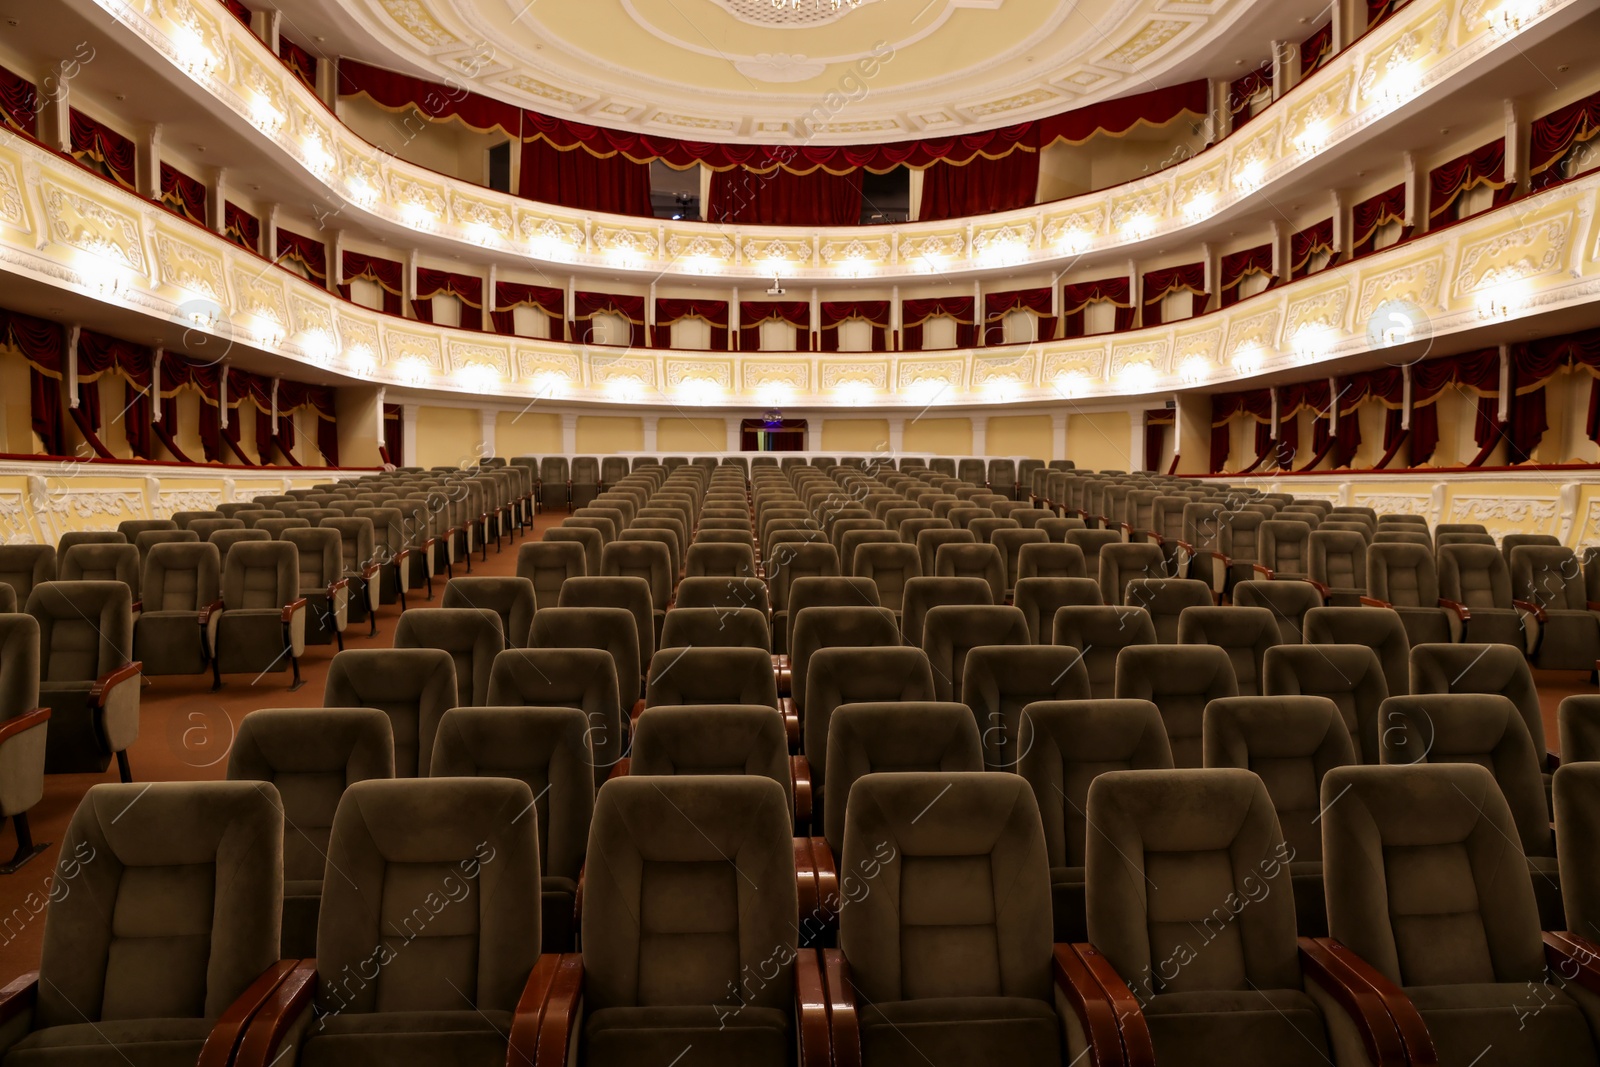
[649, 434]
[980, 327]
[980, 435]
[731, 441]
[1136, 457]
[1341, 27]
[1134, 294]
[360, 420]
[897, 435]
[266, 24]
[147, 170]
[328, 85]
[408, 419]
[1416, 195]
[217, 200]
[55, 108]
[1220, 121]
[1282, 68]
[650, 314]
[1280, 250]
[733, 321]
[896, 320]
[1341, 224]
[569, 434]
[488, 424]
[814, 323]
[335, 253]
[1058, 435]
[490, 281]
[1208, 252]
[570, 309]
[1516, 147]
[408, 284]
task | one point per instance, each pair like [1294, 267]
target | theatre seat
[581, 678]
[1100, 633]
[87, 676]
[1288, 602]
[471, 636]
[23, 723]
[414, 687]
[1000, 681]
[1180, 680]
[1246, 634]
[1578, 720]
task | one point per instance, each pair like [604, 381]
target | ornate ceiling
[761, 71]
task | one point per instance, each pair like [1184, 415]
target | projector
[777, 288]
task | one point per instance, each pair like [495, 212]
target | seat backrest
[548, 564]
[715, 627]
[1287, 601]
[1474, 575]
[1339, 559]
[1403, 575]
[547, 748]
[581, 678]
[24, 566]
[19, 664]
[721, 841]
[1481, 668]
[512, 598]
[1121, 563]
[260, 574]
[321, 557]
[412, 855]
[717, 738]
[1578, 720]
[1180, 680]
[85, 629]
[1286, 547]
[1291, 743]
[1067, 743]
[620, 591]
[712, 676]
[472, 637]
[822, 627]
[611, 630]
[1481, 728]
[413, 687]
[970, 878]
[950, 631]
[1245, 633]
[311, 755]
[930, 541]
[132, 528]
[984, 561]
[722, 560]
[1050, 560]
[723, 592]
[650, 560]
[1416, 861]
[999, 681]
[1349, 675]
[1166, 599]
[1548, 575]
[1099, 633]
[888, 566]
[101, 562]
[1039, 598]
[844, 675]
[1174, 851]
[1576, 792]
[789, 561]
[181, 576]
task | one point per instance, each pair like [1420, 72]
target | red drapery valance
[873, 312]
[297, 59]
[42, 344]
[239, 11]
[95, 140]
[996, 306]
[508, 296]
[1238, 266]
[587, 305]
[914, 313]
[1316, 49]
[1159, 284]
[400, 92]
[1242, 91]
[183, 194]
[1307, 243]
[979, 186]
[385, 273]
[1375, 212]
[19, 102]
[241, 227]
[579, 179]
[464, 287]
[713, 312]
[1076, 296]
[1552, 136]
[1485, 165]
[310, 253]
[780, 197]
[752, 313]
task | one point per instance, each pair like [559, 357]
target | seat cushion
[961, 1032]
[1515, 1024]
[113, 1043]
[468, 1038]
[687, 1036]
[168, 642]
[1247, 1028]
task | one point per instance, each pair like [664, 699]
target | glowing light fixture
[626, 388]
[1139, 226]
[855, 393]
[551, 384]
[411, 370]
[1195, 370]
[1137, 377]
[700, 392]
[1200, 206]
[1313, 342]
[478, 378]
[1072, 383]
[1249, 358]
[926, 391]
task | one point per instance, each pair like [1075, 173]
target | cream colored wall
[527, 433]
[447, 147]
[942, 437]
[603, 435]
[1098, 440]
[360, 418]
[690, 435]
[1194, 429]
[19, 436]
[855, 435]
[1019, 435]
[446, 436]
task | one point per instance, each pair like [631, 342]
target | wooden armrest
[138, 606]
[273, 1020]
[560, 1010]
[366, 573]
[19, 996]
[1593, 605]
[522, 1045]
[113, 678]
[637, 710]
[1265, 572]
[811, 1009]
[38, 716]
[1417, 1044]
[208, 611]
[335, 586]
[293, 606]
[1358, 999]
[1574, 958]
[1461, 610]
[1096, 1012]
[1374, 602]
[800, 777]
[1536, 610]
[1222, 558]
[1323, 591]
[620, 769]
[828, 901]
[807, 900]
[223, 1041]
[791, 718]
[843, 1026]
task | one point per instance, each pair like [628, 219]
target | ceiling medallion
[789, 14]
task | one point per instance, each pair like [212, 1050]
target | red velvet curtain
[1244, 90]
[1485, 165]
[394, 434]
[464, 287]
[239, 11]
[508, 296]
[714, 312]
[1238, 266]
[588, 305]
[309, 252]
[401, 92]
[386, 273]
[914, 313]
[1077, 296]
[1157, 423]
[782, 198]
[19, 103]
[996, 306]
[979, 186]
[577, 179]
[94, 140]
[1374, 212]
[1307, 243]
[1378, 10]
[42, 344]
[1316, 50]
[752, 314]
[1158, 284]
[297, 59]
[835, 312]
[1224, 407]
[1552, 136]
[241, 227]
[183, 194]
